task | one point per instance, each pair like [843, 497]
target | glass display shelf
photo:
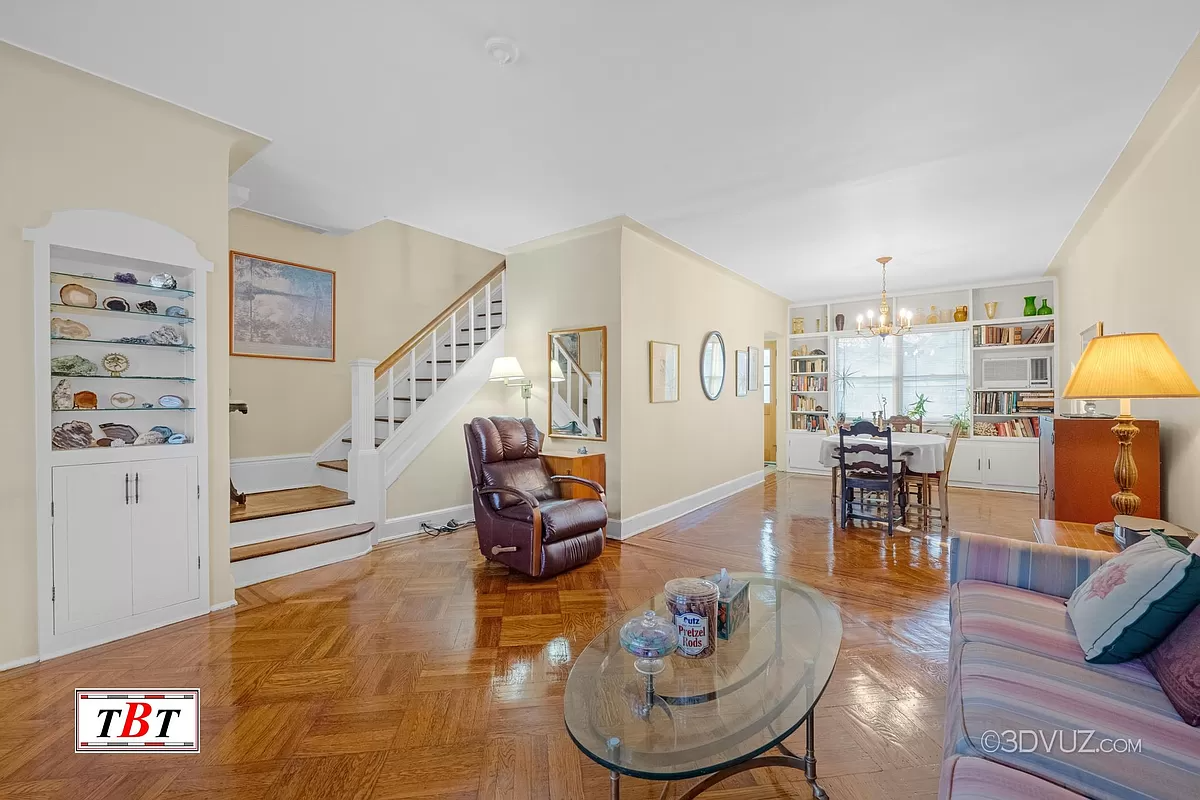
[135, 287]
[114, 410]
[180, 347]
[86, 310]
[124, 377]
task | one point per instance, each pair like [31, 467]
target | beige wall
[69, 140]
[391, 280]
[1131, 262]
[673, 450]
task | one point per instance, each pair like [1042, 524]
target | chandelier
[886, 326]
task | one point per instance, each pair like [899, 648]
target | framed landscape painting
[664, 372]
[280, 309]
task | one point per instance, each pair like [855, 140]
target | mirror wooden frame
[603, 329]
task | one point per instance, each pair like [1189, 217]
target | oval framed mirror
[712, 365]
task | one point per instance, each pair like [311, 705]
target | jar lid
[697, 588]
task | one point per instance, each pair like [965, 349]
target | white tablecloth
[928, 450]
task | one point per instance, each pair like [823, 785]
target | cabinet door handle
[979, 464]
[137, 498]
[126, 488]
[989, 463]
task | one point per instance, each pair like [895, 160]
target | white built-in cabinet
[122, 517]
[1010, 466]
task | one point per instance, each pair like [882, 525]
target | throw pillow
[1130, 604]
[1176, 665]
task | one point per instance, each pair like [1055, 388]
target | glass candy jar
[650, 638]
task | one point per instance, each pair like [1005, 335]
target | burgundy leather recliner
[520, 516]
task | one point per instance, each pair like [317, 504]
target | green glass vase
[1045, 309]
[1031, 306]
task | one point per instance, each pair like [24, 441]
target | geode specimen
[163, 280]
[61, 400]
[86, 400]
[150, 437]
[125, 277]
[148, 307]
[72, 435]
[167, 335]
[119, 432]
[72, 365]
[68, 329]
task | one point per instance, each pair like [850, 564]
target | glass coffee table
[712, 717]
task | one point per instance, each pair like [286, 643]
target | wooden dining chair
[903, 424]
[869, 476]
[920, 484]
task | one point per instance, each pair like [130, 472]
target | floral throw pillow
[1132, 602]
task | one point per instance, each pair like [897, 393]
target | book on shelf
[1014, 402]
[810, 383]
[801, 364]
[802, 403]
[995, 335]
[809, 423]
[1027, 428]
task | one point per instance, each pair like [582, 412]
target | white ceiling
[792, 141]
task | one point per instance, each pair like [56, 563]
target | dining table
[920, 452]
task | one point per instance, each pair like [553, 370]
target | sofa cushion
[1176, 665]
[562, 519]
[1036, 623]
[1126, 607]
[995, 693]
[977, 779]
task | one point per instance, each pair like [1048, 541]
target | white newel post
[366, 468]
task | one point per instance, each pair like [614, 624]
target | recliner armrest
[535, 544]
[524, 496]
[595, 487]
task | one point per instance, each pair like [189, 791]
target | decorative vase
[933, 317]
[960, 314]
[945, 315]
[839, 321]
[798, 324]
[990, 308]
[1031, 306]
[1045, 309]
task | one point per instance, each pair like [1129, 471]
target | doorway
[770, 443]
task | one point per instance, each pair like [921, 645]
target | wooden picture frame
[664, 372]
[300, 324]
[742, 384]
[756, 370]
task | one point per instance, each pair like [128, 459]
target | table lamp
[1124, 367]
[508, 369]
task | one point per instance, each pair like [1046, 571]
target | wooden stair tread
[348, 440]
[287, 543]
[260, 505]
[341, 465]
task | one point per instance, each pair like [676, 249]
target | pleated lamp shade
[1129, 366]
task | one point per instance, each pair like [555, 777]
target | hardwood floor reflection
[423, 671]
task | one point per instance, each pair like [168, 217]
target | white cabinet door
[967, 465]
[804, 451]
[1012, 464]
[165, 536]
[92, 547]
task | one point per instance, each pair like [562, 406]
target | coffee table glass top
[707, 714]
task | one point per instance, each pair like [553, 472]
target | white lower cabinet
[125, 540]
[804, 451]
[1009, 465]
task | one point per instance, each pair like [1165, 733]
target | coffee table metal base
[806, 764]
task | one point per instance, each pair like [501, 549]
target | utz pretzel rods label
[693, 633]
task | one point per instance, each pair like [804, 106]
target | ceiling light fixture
[504, 51]
[886, 327]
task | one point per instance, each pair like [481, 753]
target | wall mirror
[712, 365]
[579, 383]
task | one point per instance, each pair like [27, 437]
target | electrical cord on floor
[450, 527]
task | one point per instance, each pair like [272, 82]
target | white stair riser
[253, 531]
[334, 479]
[264, 568]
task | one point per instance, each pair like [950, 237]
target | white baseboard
[20, 662]
[264, 568]
[267, 473]
[403, 527]
[223, 606]
[631, 526]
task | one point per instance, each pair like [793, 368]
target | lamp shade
[556, 373]
[506, 368]
[1129, 366]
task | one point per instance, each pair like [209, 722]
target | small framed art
[664, 372]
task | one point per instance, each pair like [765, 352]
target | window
[766, 381]
[868, 371]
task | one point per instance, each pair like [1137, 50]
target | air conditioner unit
[1017, 373]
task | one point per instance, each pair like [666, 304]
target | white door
[166, 569]
[1012, 464]
[967, 465]
[92, 546]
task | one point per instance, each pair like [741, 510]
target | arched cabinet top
[120, 234]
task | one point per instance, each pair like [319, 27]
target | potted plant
[917, 409]
[843, 380]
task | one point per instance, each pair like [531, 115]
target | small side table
[1073, 534]
[590, 466]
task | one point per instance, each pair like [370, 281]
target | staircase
[397, 407]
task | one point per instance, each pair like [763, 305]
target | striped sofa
[1026, 716]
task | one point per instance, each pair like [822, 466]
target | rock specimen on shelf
[62, 400]
[119, 432]
[85, 400]
[115, 303]
[122, 400]
[163, 280]
[164, 430]
[72, 365]
[72, 435]
[68, 329]
[150, 437]
[125, 277]
[176, 311]
[75, 294]
[135, 340]
[177, 438]
[168, 334]
[148, 307]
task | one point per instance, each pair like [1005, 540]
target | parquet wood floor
[423, 671]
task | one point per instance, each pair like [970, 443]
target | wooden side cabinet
[1077, 457]
[590, 466]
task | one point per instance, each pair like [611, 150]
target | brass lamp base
[1125, 471]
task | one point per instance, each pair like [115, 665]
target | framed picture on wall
[743, 373]
[664, 372]
[755, 369]
[279, 309]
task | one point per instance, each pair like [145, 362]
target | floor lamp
[1126, 367]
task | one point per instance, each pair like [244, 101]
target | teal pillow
[1134, 600]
